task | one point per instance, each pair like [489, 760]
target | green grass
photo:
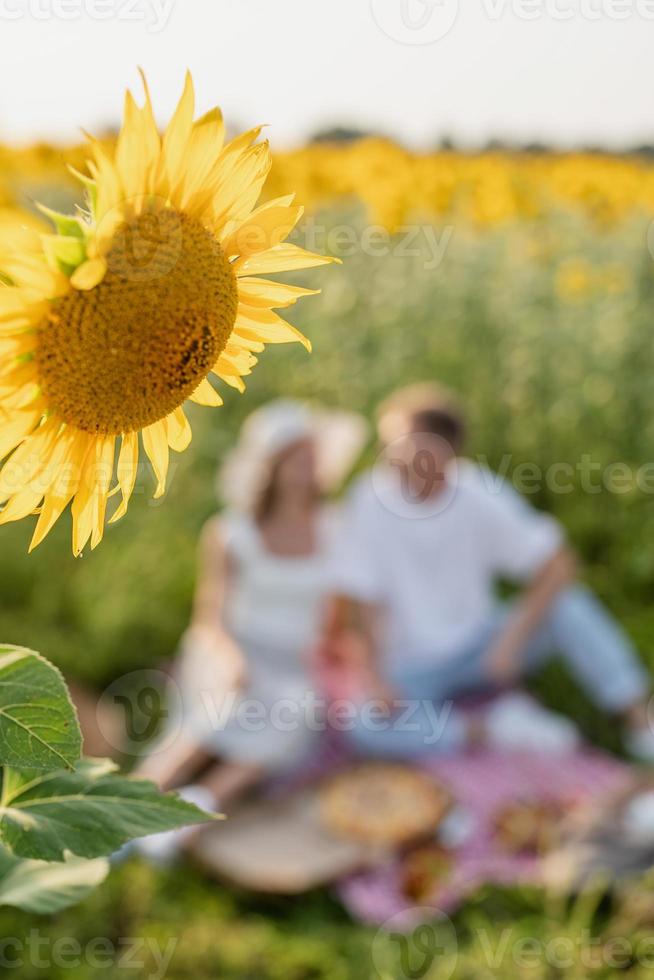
[546, 381]
[206, 932]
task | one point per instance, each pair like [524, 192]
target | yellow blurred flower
[396, 184]
[574, 279]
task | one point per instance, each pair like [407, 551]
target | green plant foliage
[38, 724]
[89, 812]
[46, 887]
[548, 377]
[200, 929]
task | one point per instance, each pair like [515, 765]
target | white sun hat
[338, 436]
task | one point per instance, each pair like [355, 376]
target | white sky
[567, 71]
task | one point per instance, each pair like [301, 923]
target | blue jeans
[577, 627]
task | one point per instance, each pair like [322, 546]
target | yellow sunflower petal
[110, 198]
[206, 395]
[131, 159]
[281, 258]
[234, 360]
[16, 302]
[28, 459]
[101, 492]
[267, 327]
[53, 457]
[15, 428]
[89, 274]
[232, 378]
[19, 397]
[128, 462]
[264, 229]
[250, 344]
[17, 346]
[63, 487]
[32, 272]
[19, 232]
[90, 499]
[176, 138]
[22, 504]
[234, 363]
[205, 146]
[268, 294]
[151, 141]
[155, 443]
[14, 374]
[239, 190]
[178, 430]
[240, 143]
[16, 326]
[138, 150]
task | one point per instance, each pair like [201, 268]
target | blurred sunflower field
[523, 280]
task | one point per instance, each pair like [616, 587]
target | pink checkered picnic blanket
[484, 782]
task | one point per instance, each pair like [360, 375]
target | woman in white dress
[244, 678]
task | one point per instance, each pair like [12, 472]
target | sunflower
[109, 324]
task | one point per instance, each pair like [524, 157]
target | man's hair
[428, 407]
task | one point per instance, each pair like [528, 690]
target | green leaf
[38, 724]
[90, 812]
[46, 887]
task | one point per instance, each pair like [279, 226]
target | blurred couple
[386, 602]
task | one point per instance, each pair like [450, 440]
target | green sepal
[67, 225]
[91, 188]
[64, 252]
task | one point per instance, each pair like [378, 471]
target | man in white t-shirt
[426, 538]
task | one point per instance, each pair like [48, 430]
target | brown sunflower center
[131, 350]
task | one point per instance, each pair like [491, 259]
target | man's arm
[504, 657]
